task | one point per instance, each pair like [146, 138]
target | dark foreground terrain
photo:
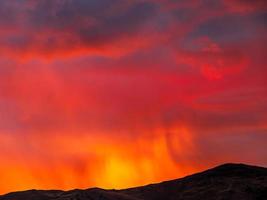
[226, 182]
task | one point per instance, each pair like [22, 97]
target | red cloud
[211, 60]
[129, 88]
[245, 6]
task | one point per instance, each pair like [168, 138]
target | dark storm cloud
[90, 19]
[52, 26]
[231, 28]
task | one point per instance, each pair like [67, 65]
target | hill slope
[228, 181]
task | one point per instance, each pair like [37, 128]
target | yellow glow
[82, 162]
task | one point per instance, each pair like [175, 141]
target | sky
[121, 93]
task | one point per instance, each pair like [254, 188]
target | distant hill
[225, 182]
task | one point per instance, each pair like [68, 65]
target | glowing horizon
[120, 93]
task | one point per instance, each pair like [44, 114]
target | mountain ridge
[227, 181]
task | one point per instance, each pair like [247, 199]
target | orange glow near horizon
[92, 162]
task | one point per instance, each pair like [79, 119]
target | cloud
[68, 27]
[247, 6]
[128, 87]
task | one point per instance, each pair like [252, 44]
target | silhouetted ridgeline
[225, 182]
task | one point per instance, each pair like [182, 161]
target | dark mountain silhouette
[225, 182]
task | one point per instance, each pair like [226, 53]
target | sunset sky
[120, 93]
